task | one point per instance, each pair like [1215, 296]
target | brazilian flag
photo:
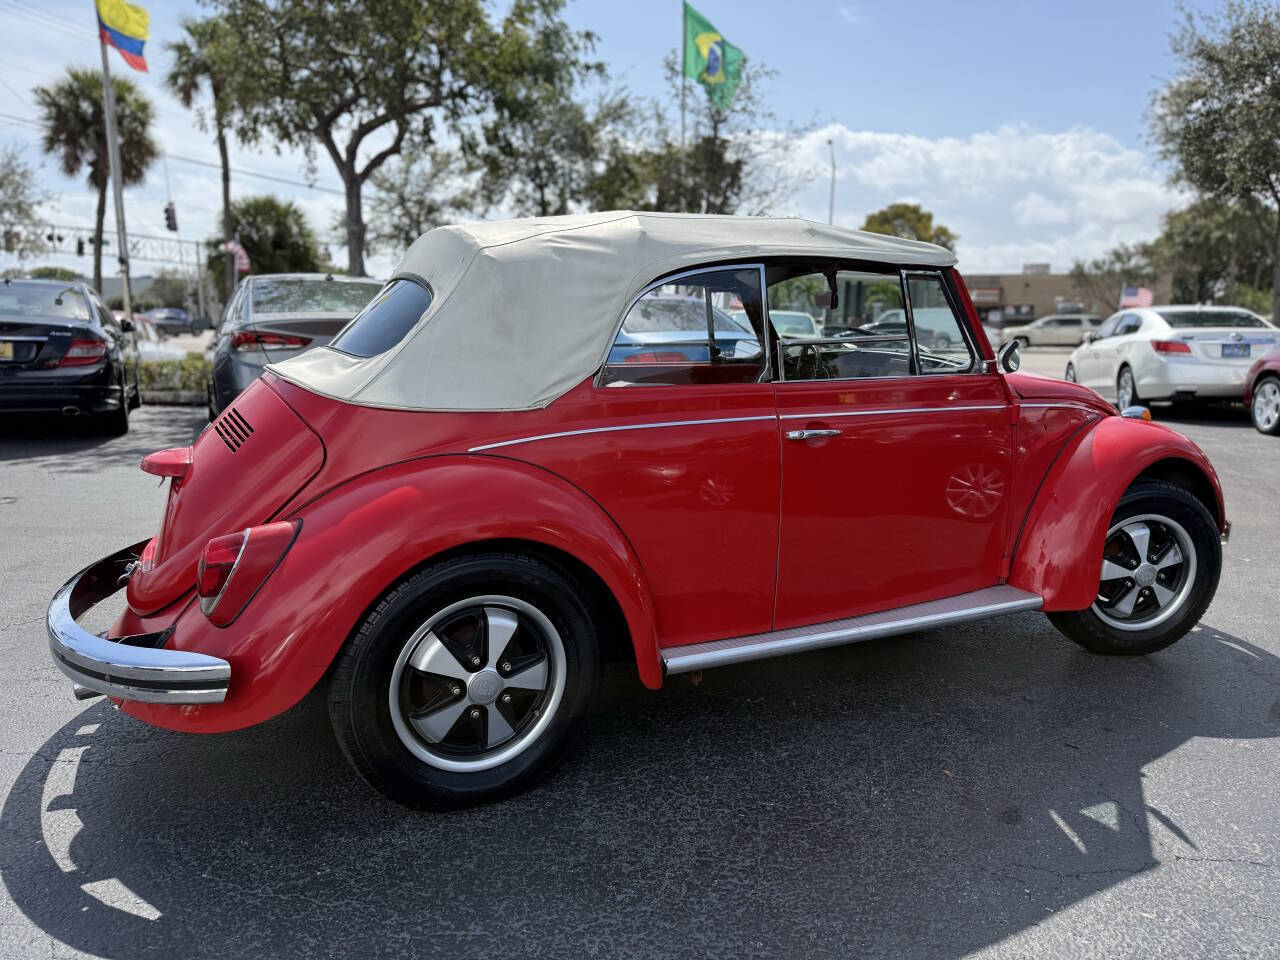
[710, 59]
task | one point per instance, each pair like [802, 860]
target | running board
[988, 602]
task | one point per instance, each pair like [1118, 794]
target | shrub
[192, 372]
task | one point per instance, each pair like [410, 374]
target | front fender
[1058, 554]
[358, 539]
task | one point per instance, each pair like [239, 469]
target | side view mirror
[1091, 336]
[126, 325]
[1007, 358]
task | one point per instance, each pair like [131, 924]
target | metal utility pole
[831, 205]
[117, 188]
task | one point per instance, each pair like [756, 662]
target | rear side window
[385, 321]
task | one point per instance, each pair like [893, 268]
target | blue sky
[1019, 125]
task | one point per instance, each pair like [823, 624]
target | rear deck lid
[244, 468]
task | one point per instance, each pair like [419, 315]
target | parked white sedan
[1172, 353]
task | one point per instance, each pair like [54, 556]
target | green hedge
[190, 373]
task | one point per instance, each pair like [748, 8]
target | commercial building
[1005, 298]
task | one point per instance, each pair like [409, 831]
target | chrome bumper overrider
[127, 668]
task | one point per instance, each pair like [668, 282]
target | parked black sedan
[62, 351]
[274, 316]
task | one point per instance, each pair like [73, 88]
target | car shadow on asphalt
[919, 797]
[78, 445]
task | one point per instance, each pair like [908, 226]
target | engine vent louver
[233, 428]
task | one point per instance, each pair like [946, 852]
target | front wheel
[1265, 407]
[467, 683]
[1160, 566]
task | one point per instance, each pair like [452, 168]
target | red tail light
[84, 352]
[657, 356]
[254, 339]
[232, 568]
[1171, 346]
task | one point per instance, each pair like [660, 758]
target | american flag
[242, 258]
[1131, 296]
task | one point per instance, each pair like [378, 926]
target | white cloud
[849, 14]
[1014, 195]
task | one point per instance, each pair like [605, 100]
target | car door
[896, 458]
[678, 442]
[1088, 358]
[1111, 353]
[1066, 331]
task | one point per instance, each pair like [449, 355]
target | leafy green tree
[19, 198]
[198, 64]
[275, 235]
[41, 273]
[1218, 119]
[411, 197]
[1098, 281]
[911, 222]
[1214, 251]
[365, 80]
[74, 126]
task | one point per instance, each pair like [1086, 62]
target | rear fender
[358, 539]
[1058, 554]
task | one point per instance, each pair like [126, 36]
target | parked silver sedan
[1183, 353]
[274, 316]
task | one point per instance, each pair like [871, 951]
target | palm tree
[75, 129]
[195, 67]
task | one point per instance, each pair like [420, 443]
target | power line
[260, 176]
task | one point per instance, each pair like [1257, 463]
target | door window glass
[940, 339]
[1108, 329]
[703, 328]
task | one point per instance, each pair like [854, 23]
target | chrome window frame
[765, 369]
[975, 355]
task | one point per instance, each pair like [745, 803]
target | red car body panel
[1266, 365]
[689, 503]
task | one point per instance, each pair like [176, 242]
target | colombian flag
[125, 27]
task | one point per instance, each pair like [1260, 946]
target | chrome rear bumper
[127, 668]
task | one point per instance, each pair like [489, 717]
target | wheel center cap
[1145, 575]
[485, 686]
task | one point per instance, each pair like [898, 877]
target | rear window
[385, 321]
[312, 296]
[42, 300]
[1210, 318]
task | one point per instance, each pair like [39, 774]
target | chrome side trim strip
[976, 605]
[872, 413]
[616, 429]
[1064, 405]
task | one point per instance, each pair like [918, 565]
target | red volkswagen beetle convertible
[546, 437]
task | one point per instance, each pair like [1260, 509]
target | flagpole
[684, 52]
[113, 160]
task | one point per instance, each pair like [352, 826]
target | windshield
[41, 300]
[1210, 318]
[312, 296]
[653, 314]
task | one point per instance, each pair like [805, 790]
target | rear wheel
[1126, 389]
[116, 422]
[1160, 567]
[1265, 407]
[467, 683]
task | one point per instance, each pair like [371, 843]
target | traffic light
[171, 217]
[79, 246]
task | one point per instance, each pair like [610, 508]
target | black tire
[360, 706]
[1134, 399]
[1070, 375]
[116, 422]
[1256, 412]
[1148, 497]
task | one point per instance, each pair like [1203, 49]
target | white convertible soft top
[522, 310]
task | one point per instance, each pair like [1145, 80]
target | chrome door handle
[810, 434]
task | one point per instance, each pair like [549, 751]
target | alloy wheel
[1266, 405]
[1148, 571]
[477, 683]
[1125, 391]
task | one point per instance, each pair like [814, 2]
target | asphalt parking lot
[989, 790]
